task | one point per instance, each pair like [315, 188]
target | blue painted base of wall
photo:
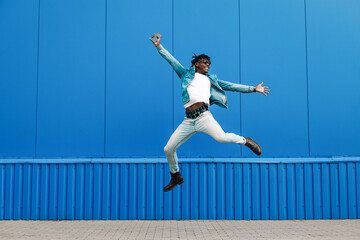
[283, 188]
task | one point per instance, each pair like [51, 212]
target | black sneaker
[254, 146]
[176, 179]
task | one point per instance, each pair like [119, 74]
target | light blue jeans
[204, 123]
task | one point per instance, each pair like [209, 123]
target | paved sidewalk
[194, 229]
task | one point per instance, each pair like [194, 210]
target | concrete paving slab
[189, 229]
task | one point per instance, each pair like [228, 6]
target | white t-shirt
[199, 90]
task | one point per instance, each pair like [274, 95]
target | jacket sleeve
[235, 87]
[178, 68]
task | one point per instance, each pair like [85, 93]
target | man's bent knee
[168, 150]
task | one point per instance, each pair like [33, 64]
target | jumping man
[199, 90]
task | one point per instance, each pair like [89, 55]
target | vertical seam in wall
[105, 79]
[241, 134]
[307, 78]
[37, 81]
[172, 73]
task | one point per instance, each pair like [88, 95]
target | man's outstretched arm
[179, 69]
[235, 87]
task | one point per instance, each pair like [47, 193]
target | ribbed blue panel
[213, 190]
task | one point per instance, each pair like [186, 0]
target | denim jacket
[218, 86]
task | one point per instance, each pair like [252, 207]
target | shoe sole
[258, 146]
[174, 186]
[260, 150]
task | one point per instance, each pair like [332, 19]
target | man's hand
[264, 90]
[157, 43]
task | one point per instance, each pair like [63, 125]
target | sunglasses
[206, 62]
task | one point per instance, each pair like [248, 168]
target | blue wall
[81, 79]
[222, 189]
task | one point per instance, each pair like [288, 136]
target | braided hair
[196, 58]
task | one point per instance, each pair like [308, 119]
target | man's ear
[196, 64]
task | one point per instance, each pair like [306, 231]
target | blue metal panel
[233, 191]
[247, 191]
[2, 191]
[9, 191]
[300, 199]
[194, 189]
[333, 33]
[334, 184]
[62, 192]
[106, 184]
[138, 81]
[71, 103]
[291, 191]
[264, 186]
[79, 190]
[238, 184]
[141, 190]
[229, 191]
[115, 191]
[190, 38]
[220, 191]
[124, 191]
[212, 190]
[325, 189]
[44, 192]
[18, 187]
[159, 199]
[357, 189]
[282, 191]
[272, 36]
[89, 191]
[255, 188]
[35, 192]
[351, 189]
[18, 74]
[97, 191]
[344, 211]
[150, 192]
[53, 195]
[309, 191]
[317, 191]
[26, 191]
[132, 191]
[274, 204]
[70, 193]
[185, 193]
[203, 191]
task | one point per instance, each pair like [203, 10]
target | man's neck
[201, 73]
